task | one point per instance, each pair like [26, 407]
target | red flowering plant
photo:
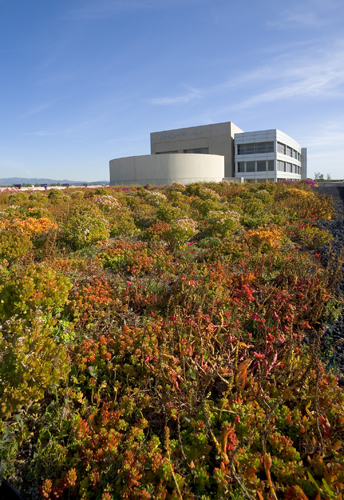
[171, 363]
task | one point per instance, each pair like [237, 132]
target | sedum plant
[315, 238]
[85, 227]
[169, 363]
[180, 230]
[223, 222]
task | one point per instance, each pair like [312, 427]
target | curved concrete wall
[167, 168]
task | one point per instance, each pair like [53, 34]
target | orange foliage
[30, 225]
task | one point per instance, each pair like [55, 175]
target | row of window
[268, 147]
[283, 166]
[268, 165]
[203, 151]
[288, 151]
[283, 180]
[259, 181]
[255, 148]
[167, 152]
[256, 166]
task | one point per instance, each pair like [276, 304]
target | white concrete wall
[164, 169]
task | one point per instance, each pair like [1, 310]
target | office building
[212, 153]
[268, 155]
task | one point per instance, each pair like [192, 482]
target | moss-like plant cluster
[166, 343]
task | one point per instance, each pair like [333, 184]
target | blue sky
[86, 81]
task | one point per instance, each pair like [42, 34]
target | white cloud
[55, 79]
[306, 19]
[36, 110]
[259, 74]
[85, 125]
[181, 99]
[307, 74]
[307, 14]
[331, 136]
[321, 78]
[102, 8]
[325, 148]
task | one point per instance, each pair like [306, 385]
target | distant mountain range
[21, 180]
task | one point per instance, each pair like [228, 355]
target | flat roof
[192, 126]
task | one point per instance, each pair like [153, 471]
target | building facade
[195, 154]
[217, 139]
[268, 155]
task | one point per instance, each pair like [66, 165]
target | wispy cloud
[307, 14]
[181, 99]
[82, 126]
[36, 110]
[322, 77]
[55, 79]
[317, 74]
[306, 19]
[331, 136]
[102, 8]
[264, 73]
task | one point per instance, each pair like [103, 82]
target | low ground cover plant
[166, 343]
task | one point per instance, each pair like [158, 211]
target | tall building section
[304, 163]
[217, 139]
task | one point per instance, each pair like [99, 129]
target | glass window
[203, 151]
[258, 147]
[264, 147]
[167, 152]
[280, 148]
[250, 166]
[261, 166]
[289, 167]
[241, 166]
[280, 166]
[289, 151]
[246, 149]
[271, 165]
[294, 154]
